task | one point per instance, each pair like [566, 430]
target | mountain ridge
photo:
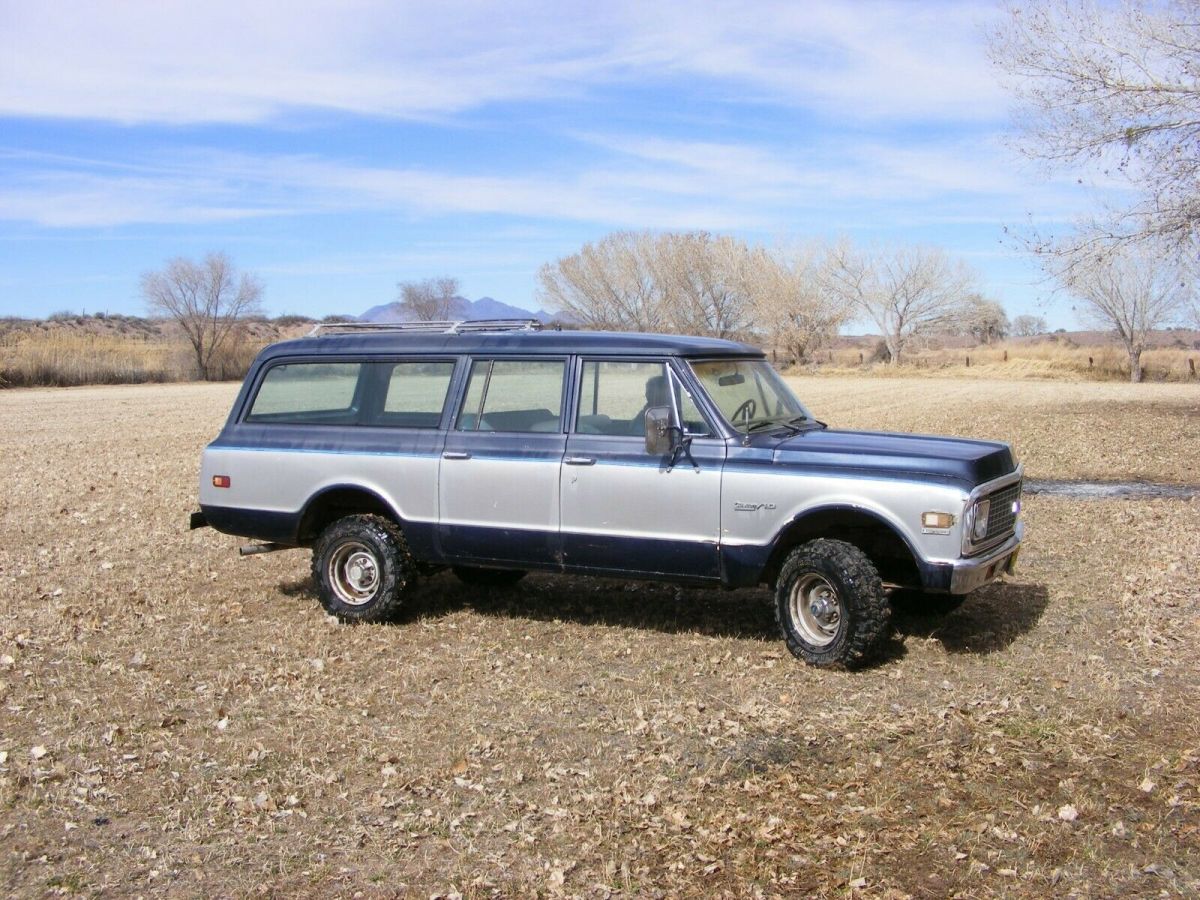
[461, 309]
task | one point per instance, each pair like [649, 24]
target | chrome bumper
[970, 574]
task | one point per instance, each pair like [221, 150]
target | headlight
[979, 527]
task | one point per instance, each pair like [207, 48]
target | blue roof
[511, 342]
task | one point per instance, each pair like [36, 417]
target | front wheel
[830, 605]
[362, 569]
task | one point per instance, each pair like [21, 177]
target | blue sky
[337, 148]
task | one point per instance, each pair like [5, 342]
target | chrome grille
[1002, 516]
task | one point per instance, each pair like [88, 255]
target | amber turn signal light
[937, 519]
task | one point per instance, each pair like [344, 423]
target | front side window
[307, 393]
[513, 395]
[614, 396]
[749, 394]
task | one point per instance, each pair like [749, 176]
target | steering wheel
[746, 411]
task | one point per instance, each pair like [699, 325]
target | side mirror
[659, 431]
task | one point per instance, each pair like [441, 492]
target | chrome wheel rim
[815, 610]
[353, 573]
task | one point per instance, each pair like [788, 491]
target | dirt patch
[1110, 490]
[178, 720]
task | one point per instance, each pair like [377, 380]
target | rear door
[498, 477]
[624, 510]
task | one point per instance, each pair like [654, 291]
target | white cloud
[221, 61]
[635, 183]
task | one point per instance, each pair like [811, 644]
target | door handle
[456, 454]
[580, 461]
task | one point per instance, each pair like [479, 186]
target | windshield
[749, 394]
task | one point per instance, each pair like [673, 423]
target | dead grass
[1042, 359]
[70, 351]
[181, 721]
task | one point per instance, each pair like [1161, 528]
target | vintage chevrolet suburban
[499, 448]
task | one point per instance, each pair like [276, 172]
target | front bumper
[969, 574]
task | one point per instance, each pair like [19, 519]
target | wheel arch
[886, 545]
[337, 500]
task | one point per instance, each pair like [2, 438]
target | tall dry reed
[60, 358]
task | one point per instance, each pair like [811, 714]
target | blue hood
[920, 456]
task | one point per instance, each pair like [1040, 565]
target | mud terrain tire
[362, 569]
[830, 605]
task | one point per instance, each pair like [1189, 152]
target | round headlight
[979, 528]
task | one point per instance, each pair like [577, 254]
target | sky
[335, 149]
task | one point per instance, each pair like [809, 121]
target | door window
[614, 396]
[415, 394]
[513, 395]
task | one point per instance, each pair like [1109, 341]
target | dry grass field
[175, 720]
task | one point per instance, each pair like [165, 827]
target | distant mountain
[462, 309]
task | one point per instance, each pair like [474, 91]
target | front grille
[1002, 515]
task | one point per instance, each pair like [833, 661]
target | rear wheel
[494, 578]
[830, 605]
[362, 569]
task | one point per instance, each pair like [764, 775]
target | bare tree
[208, 299]
[1130, 290]
[906, 292]
[614, 283]
[983, 320]
[430, 300]
[790, 301]
[1113, 84]
[703, 282]
[1026, 325]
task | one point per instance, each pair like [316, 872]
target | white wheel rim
[815, 610]
[353, 573]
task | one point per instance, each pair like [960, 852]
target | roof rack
[459, 327]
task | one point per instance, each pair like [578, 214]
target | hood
[927, 457]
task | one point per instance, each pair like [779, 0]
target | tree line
[794, 299]
[1111, 87]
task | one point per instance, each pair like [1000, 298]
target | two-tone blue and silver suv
[495, 449]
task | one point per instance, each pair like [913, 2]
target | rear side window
[405, 394]
[307, 393]
[513, 395]
[416, 392]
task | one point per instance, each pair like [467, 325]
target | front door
[499, 472]
[624, 510]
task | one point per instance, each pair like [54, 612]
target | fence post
[968, 362]
[1091, 362]
[860, 357]
[1006, 356]
[1191, 367]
